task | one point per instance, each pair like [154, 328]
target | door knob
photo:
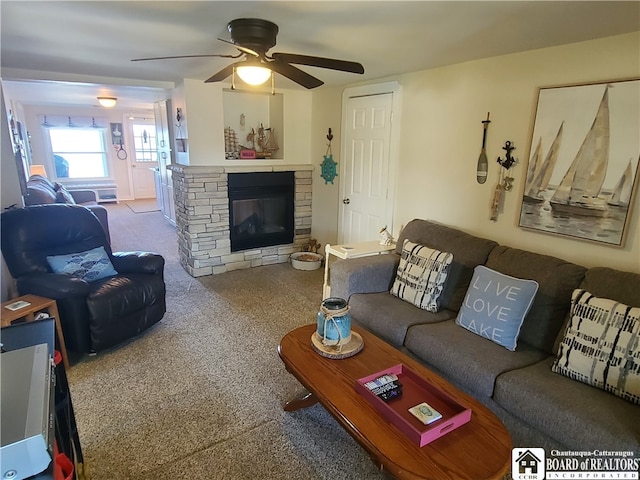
[346, 201]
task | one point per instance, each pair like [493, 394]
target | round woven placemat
[348, 350]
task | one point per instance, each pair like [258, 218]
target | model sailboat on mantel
[579, 190]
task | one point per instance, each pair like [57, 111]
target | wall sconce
[37, 170]
[107, 102]
[253, 74]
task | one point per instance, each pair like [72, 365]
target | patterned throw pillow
[63, 195]
[601, 346]
[421, 275]
[91, 265]
[495, 306]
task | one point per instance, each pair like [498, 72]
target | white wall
[327, 113]
[10, 192]
[441, 133]
[205, 117]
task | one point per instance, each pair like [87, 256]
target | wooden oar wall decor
[483, 165]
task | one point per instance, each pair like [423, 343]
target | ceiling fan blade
[241, 48]
[222, 74]
[333, 64]
[295, 74]
[186, 56]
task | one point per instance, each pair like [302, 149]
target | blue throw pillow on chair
[91, 265]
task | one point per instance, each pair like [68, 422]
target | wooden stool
[28, 313]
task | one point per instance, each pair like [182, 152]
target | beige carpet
[143, 206]
[200, 395]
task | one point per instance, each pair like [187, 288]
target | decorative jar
[334, 322]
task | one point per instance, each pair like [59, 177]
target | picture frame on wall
[584, 154]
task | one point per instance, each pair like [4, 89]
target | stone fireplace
[204, 223]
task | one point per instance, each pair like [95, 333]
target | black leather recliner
[94, 315]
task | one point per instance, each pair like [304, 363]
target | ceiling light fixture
[107, 102]
[253, 74]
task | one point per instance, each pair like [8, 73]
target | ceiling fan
[253, 37]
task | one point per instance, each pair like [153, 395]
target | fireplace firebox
[261, 209]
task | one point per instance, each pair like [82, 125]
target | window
[78, 152]
[144, 141]
[77, 147]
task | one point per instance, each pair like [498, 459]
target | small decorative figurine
[385, 236]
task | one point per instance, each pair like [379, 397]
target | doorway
[369, 153]
[143, 160]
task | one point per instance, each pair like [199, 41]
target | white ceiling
[92, 42]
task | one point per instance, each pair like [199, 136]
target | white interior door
[365, 193]
[144, 157]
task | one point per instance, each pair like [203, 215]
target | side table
[28, 313]
[350, 250]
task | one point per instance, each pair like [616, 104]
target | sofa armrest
[138, 262]
[372, 274]
[84, 196]
[56, 286]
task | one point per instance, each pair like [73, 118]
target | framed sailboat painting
[583, 161]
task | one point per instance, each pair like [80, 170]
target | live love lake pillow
[495, 306]
[421, 275]
[601, 346]
[91, 265]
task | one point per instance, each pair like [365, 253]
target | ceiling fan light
[252, 74]
[107, 102]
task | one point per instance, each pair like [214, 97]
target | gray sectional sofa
[40, 191]
[539, 407]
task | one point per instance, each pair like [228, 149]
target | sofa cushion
[421, 276]
[389, 317]
[468, 252]
[601, 346]
[90, 265]
[556, 279]
[615, 284]
[465, 358]
[576, 415]
[495, 306]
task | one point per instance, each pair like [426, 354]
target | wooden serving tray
[415, 390]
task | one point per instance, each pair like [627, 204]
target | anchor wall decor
[328, 165]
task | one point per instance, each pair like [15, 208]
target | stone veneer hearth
[202, 219]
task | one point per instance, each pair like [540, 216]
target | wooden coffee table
[476, 450]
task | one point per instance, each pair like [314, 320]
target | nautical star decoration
[328, 165]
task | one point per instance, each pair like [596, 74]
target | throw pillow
[91, 265]
[601, 345]
[63, 195]
[421, 275]
[495, 306]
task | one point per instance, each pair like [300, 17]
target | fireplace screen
[261, 209]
